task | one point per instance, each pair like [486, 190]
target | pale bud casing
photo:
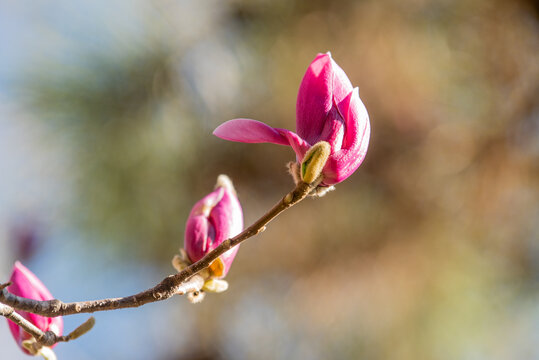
[314, 161]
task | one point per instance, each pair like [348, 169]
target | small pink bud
[215, 218]
[25, 284]
[328, 109]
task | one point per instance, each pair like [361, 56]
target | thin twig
[171, 285]
[44, 338]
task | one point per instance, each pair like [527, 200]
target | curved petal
[253, 131]
[249, 131]
[227, 217]
[227, 220]
[323, 84]
[215, 218]
[341, 83]
[26, 284]
[343, 163]
[356, 120]
[334, 129]
[199, 233]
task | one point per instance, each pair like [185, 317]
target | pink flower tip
[25, 284]
[216, 217]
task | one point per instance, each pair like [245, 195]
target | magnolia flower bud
[314, 161]
[215, 218]
[328, 109]
[25, 284]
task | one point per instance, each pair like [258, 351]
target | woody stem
[169, 286]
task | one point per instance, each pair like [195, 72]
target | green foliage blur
[429, 251]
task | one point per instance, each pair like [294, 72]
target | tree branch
[44, 338]
[47, 338]
[169, 286]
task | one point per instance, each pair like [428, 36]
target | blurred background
[429, 251]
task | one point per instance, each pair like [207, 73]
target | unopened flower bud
[215, 218]
[25, 284]
[328, 109]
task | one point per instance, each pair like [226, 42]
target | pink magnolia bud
[328, 109]
[25, 284]
[215, 218]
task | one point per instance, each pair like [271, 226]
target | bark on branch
[44, 338]
[178, 284]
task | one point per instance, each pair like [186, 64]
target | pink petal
[227, 219]
[252, 131]
[215, 218]
[26, 284]
[343, 163]
[334, 129]
[356, 120]
[323, 83]
[249, 131]
[199, 233]
[341, 84]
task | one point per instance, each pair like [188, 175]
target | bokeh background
[429, 251]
